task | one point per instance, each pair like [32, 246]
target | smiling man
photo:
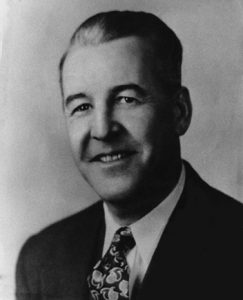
[159, 231]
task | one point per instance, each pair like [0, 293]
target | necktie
[110, 276]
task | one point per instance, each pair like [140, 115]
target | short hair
[107, 26]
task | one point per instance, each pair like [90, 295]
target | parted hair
[107, 26]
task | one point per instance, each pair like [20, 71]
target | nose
[102, 124]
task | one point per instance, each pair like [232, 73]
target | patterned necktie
[110, 276]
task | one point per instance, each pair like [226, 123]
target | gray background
[39, 182]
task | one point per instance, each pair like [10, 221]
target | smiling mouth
[112, 157]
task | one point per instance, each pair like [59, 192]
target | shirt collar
[147, 230]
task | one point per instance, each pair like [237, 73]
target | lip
[112, 156]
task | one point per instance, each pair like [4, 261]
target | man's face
[118, 118]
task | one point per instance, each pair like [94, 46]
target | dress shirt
[147, 232]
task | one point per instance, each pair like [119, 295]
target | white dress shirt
[147, 232]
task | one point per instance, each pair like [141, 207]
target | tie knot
[123, 239]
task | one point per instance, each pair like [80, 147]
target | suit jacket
[199, 256]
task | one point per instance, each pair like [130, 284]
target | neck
[127, 211]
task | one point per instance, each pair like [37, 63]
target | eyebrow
[130, 86]
[114, 91]
[71, 98]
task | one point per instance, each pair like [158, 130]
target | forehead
[118, 60]
[117, 48]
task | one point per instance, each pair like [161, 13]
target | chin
[114, 191]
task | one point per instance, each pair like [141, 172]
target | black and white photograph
[121, 149]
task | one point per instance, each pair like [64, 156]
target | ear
[182, 111]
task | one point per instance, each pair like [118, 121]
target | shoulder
[214, 221]
[72, 224]
[222, 209]
[55, 239]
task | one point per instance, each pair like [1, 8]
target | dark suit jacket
[200, 254]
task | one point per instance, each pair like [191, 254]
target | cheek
[141, 125]
[77, 132]
[153, 132]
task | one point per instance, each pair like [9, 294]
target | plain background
[39, 182]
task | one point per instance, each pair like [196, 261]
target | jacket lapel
[93, 250]
[66, 276]
[181, 249]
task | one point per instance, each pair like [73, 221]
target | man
[159, 231]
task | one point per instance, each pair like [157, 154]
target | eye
[127, 100]
[81, 108]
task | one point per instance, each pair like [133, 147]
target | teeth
[113, 157]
